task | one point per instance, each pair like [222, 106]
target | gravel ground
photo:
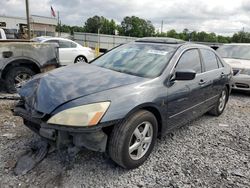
[209, 152]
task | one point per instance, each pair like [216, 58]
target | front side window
[190, 60]
[64, 44]
[140, 59]
[209, 59]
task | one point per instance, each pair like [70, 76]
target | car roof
[237, 44]
[42, 38]
[165, 40]
[171, 41]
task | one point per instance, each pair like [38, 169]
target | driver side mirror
[185, 74]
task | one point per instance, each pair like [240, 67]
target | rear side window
[190, 60]
[209, 59]
[219, 62]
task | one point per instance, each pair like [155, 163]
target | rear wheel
[132, 141]
[16, 77]
[80, 59]
[221, 103]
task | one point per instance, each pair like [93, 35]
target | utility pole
[28, 18]
[161, 26]
[59, 25]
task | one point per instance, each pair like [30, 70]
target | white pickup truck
[2, 34]
[21, 59]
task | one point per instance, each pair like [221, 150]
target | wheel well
[21, 63]
[158, 117]
[83, 57]
[228, 90]
[153, 110]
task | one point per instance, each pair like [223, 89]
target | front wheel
[132, 141]
[16, 77]
[221, 103]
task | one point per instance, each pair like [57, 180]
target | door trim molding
[193, 106]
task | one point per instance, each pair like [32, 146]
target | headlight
[245, 71]
[86, 115]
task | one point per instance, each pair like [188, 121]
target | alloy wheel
[140, 140]
[80, 60]
[21, 79]
[222, 100]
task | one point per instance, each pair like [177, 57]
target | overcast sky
[219, 16]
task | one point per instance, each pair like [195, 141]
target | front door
[185, 98]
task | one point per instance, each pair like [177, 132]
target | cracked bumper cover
[92, 138]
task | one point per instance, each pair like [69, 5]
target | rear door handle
[222, 74]
[202, 82]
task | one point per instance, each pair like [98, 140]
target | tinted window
[235, 51]
[190, 60]
[64, 44]
[209, 59]
[140, 59]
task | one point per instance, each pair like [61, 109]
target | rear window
[235, 51]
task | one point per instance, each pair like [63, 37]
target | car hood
[238, 63]
[46, 92]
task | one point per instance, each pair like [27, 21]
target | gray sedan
[238, 57]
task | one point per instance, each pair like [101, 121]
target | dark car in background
[238, 57]
[125, 99]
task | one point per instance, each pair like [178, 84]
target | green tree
[69, 29]
[136, 27]
[172, 34]
[105, 26]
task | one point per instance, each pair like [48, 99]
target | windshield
[140, 59]
[235, 51]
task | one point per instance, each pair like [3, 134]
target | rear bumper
[93, 138]
[241, 82]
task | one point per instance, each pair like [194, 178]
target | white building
[39, 25]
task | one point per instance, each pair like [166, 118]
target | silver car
[238, 57]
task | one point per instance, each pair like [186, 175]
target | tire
[219, 107]
[12, 83]
[123, 137]
[81, 59]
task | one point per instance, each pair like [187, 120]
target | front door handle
[202, 82]
[222, 74]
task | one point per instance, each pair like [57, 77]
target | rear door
[213, 73]
[186, 98]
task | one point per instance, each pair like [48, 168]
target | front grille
[236, 71]
[241, 85]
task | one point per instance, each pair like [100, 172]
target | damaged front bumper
[92, 138]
